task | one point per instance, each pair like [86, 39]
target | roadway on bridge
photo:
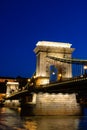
[73, 85]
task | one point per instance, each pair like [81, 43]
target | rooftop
[54, 44]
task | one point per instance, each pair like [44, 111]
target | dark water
[11, 120]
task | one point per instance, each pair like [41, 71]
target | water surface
[12, 120]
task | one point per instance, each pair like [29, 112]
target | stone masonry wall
[56, 104]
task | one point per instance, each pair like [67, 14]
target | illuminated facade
[54, 49]
[11, 88]
[56, 104]
[3, 81]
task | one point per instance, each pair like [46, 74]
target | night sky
[25, 22]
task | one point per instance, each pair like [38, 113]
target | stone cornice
[53, 49]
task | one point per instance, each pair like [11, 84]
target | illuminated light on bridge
[53, 73]
[29, 80]
[85, 69]
[59, 77]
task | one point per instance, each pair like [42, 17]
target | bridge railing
[69, 80]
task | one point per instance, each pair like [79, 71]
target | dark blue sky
[25, 22]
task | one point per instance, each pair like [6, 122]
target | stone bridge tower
[44, 65]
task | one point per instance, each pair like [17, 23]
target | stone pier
[54, 104]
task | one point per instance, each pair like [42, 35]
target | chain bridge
[54, 82]
[76, 84]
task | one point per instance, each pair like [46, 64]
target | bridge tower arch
[44, 49]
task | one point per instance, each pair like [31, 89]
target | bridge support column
[12, 87]
[54, 104]
[57, 104]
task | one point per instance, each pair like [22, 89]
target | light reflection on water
[11, 120]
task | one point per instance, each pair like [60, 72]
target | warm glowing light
[30, 125]
[34, 77]
[12, 83]
[42, 81]
[54, 44]
[29, 80]
[85, 67]
[60, 75]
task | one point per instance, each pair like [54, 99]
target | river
[12, 120]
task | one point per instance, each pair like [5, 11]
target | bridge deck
[73, 85]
